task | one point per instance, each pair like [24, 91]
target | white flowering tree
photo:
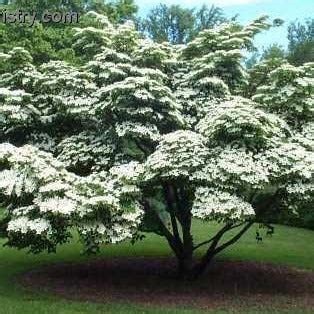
[287, 91]
[147, 137]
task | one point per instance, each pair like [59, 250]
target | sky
[288, 10]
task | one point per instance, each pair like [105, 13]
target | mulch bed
[148, 281]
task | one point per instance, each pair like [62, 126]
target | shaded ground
[148, 281]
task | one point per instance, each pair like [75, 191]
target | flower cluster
[61, 200]
[178, 155]
[237, 122]
[289, 93]
[212, 204]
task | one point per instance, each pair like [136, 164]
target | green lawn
[289, 246]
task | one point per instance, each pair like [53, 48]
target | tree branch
[141, 148]
[211, 239]
[213, 250]
[175, 228]
[200, 268]
[259, 208]
[234, 239]
[170, 204]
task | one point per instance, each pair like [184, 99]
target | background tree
[117, 10]
[208, 17]
[301, 42]
[41, 6]
[272, 52]
[179, 25]
[53, 41]
[173, 23]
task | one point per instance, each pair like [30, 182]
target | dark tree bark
[179, 235]
[186, 261]
[214, 248]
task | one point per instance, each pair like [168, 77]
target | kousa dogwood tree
[146, 137]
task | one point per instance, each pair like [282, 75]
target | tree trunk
[182, 243]
[202, 266]
[186, 266]
[189, 269]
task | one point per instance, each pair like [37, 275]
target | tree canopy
[301, 42]
[144, 136]
[179, 25]
[53, 41]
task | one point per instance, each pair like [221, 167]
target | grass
[289, 246]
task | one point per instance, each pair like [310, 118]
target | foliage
[179, 25]
[289, 93]
[273, 52]
[301, 42]
[259, 73]
[118, 10]
[53, 41]
[145, 136]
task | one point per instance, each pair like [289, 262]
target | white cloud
[224, 3]
[190, 3]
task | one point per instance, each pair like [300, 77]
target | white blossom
[25, 225]
[214, 204]
[88, 147]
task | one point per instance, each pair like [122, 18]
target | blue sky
[288, 10]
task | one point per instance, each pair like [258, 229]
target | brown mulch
[148, 281]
